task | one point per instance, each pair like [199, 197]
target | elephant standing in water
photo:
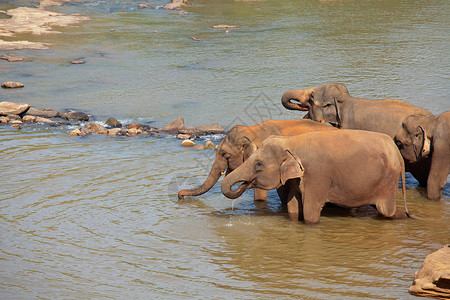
[350, 168]
[425, 136]
[332, 103]
[241, 142]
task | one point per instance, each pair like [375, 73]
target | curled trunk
[218, 167]
[234, 178]
[300, 96]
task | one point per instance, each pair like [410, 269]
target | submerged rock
[210, 129]
[11, 108]
[188, 143]
[209, 145]
[11, 58]
[433, 278]
[12, 85]
[175, 4]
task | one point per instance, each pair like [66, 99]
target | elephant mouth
[243, 185]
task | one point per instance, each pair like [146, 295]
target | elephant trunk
[234, 178]
[300, 96]
[220, 164]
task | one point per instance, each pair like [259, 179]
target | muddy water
[98, 217]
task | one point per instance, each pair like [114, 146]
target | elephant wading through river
[349, 168]
[241, 142]
[332, 103]
[426, 139]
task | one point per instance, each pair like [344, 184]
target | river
[98, 217]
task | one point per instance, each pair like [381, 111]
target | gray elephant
[241, 142]
[426, 140]
[332, 103]
[350, 168]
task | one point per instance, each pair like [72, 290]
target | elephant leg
[438, 177]
[260, 194]
[294, 201]
[314, 196]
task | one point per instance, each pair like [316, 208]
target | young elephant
[426, 140]
[350, 168]
[241, 142]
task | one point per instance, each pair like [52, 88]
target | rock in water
[113, 123]
[11, 108]
[45, 112]
[12, 85]
[75, 116]
[433, 278]
[174, 126]
[209, 129]
[209, 145]
[96, 128]
[188, 143]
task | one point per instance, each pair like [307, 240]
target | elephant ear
[291, 167]
[248, 147]
[421, 143]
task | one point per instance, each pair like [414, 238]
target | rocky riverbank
[18, 115]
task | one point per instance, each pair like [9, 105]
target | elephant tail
[402, 174]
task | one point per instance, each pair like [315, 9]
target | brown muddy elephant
[241, 142]
[426, 139]
[332, 103]
[350, 168]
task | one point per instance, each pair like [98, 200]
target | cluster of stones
[18, 113]
[115, 128]
[433, 278]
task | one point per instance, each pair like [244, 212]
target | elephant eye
[327, 105]
[225, 155]
[259, 165]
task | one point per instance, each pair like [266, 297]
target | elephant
[241, 142]
[332, 103]
[350, 168]
[426, 139]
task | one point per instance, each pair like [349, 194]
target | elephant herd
[355, 162]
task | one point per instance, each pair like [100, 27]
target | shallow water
[98, 217]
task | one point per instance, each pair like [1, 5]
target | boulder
[117, 132]
[142, 127]
[44, 112]
[16, 126]
[29, 119]
[209, 145]
[209, 129]
[433, 278]
[43, 120]
[14, 118]
[96, 128]
[12, 85]
[11, 58]
[75, 116]
[4, 120]
[11, 108]
[183, 136]
[174, 126]
[113, 123]
[134, 131]
[188, 143]
[76, 132]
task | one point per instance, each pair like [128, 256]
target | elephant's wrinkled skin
[425, 138]
[350, 168]
[332, 103]
[241, 142]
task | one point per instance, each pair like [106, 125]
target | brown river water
[98, 217]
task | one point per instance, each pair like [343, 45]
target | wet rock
[183, 136]
[188, 143]
[16, 126]
[4, 120]
[144, 6]
[112, 122]
[75, 116]
[433, 278]
[175, 4]
[21, 45]
[11, 58]
[134, 131]
[78, 62]
[15, 122]
[29, 119]
[209, 145]
[14, 118]
[222, 26]
[209, 129]
[76, 132]
[117, 132]
[43, 120]
[174, 126]
[96, 128]
[44, 112]
[12, 85]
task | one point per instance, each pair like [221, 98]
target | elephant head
[268, 168]
[231, 153]
[413, 140]
[321, 102]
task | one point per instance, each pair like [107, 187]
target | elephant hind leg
[314, 196]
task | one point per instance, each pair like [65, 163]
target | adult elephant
[241, 142]
[333, 103]
[427, 139]
[350, 168]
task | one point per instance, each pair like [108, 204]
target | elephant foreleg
[260, 194]
[438, 177]
[294, 200]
